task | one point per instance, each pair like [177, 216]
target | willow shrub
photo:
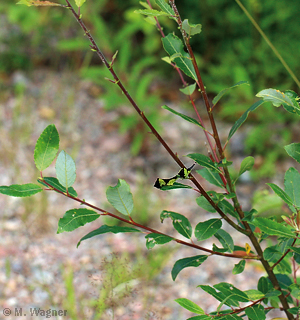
[279, 288]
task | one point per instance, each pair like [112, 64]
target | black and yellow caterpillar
[182, 174]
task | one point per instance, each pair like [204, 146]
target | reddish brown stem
[150, 230]
[95, 48]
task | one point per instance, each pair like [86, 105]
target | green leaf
[230, 290]
[294, 310]
[292, 186]
[246, 165]
[155, 238]
[38, 3]
[151, 20]
[271, 254]
[230, 317]
[273, 228]
[217, 295]
[239, 267]
[284, 266]
[151, 12]
[283, 195]
[183, 116]
[204, 204]
[176, 185]
[79, 3]
[190, 305]
[243, 118]
[120, 197]
[180, 222]
[205, 230]
[26, 2]
[105, 229]
[21, 190]
[222, 92]
[202, 317]
[284, 281]
[165, 7]
[55, 184]
[274, 293]
[253, 294]
[189, 90]
[191, 28]
[256, 312]
[228, 208]
[173, 46]
[204, 161]
[46, 148]
[276, 97]
[263, 285]
[225, 239]
[76, 218]
[211, 176]
[144, 4]
[195, 261]
[293, 150]
[65, 169]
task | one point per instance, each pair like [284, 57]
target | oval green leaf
[239, 267]
[105, 229]
[190, 305]
[174, 46]
[283, 195]
[225, 239]
[202, 317]
[195, 261]
[222, 92]
[191, 28]
[180, 222]
[205, 230]
[256, 312]
[120, 197]
[21, 190]
[230, 290]
[175, 185]
[292, 186]
[189, 89]
[276, 97]
[76, 218]
[65, 169]
[53, 182]
[183, 116]
[243, 118]
[46, 147]
[156, 238]
[204, 204]
[165, 7]
[246, 165]
[204, 161]
[253, 294]
[211, 176]
[152, 12]
[273, 228]
[79, 3]
[293, 150]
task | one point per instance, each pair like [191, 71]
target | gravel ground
[42, 269]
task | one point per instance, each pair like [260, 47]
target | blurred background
[49, 75]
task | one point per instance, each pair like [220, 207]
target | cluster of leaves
[121, 199]
[280, 288]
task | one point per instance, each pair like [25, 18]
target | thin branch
[150, 230]
[95, 48]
